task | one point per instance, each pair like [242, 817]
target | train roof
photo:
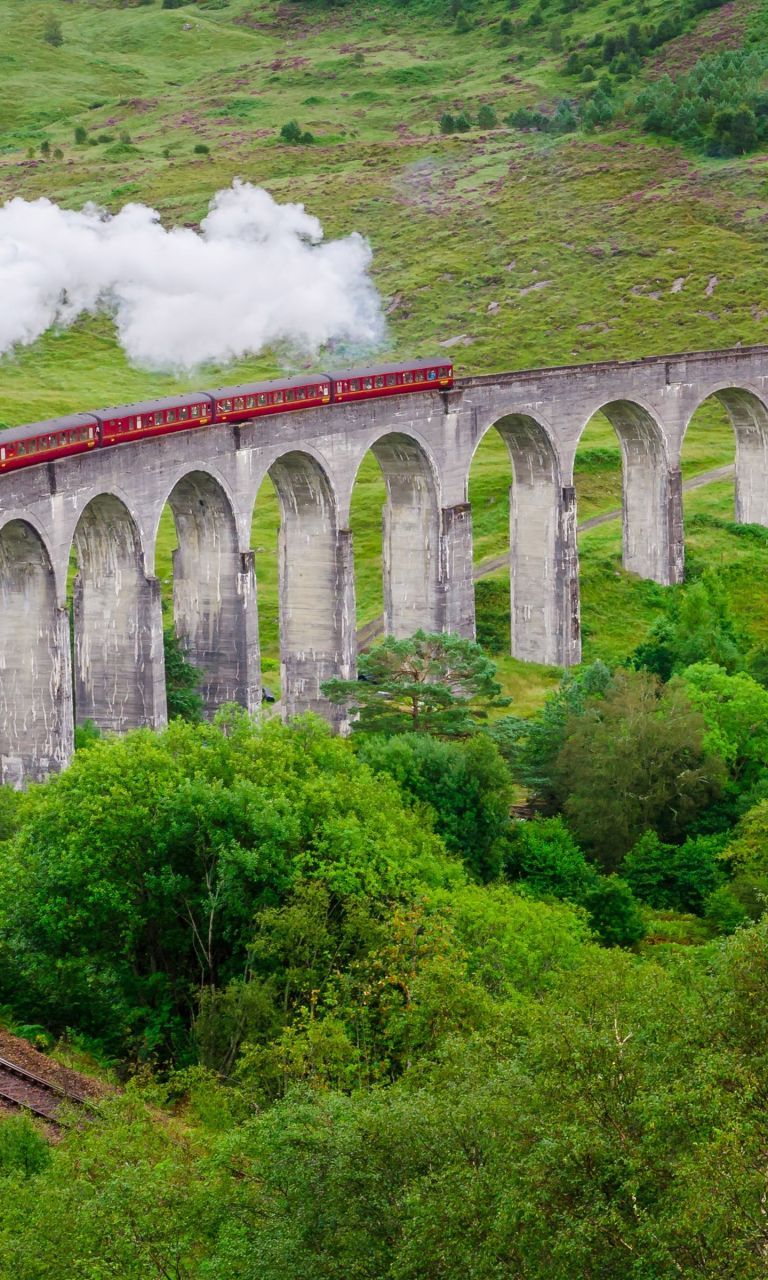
[274, 384]
[402, 366]
[31, 430]
[150, 406]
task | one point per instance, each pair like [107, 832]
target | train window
[431, 375]
[391, 380]
[2, 455]
[289, 397]
[301, 393]
[407, 377]
[225, 406]
[239, 403]
[250, 401]
[354, 384]
[262, 399]
[170, 415]
[184, 413]
[20, 449]
[445, 373]
[279, 397]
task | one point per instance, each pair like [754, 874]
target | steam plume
[257, 274]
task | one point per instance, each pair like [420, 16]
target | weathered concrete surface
[107, 506]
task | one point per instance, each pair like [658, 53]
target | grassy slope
[462, 227]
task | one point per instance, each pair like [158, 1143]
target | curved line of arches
[112, 544]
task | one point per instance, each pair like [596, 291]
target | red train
[63, 437]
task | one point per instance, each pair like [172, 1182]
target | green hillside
[542, 237]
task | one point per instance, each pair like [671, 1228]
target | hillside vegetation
[480, 990]
[535, 233]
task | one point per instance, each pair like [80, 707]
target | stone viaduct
[105, 508]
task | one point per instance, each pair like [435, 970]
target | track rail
[29, 1092]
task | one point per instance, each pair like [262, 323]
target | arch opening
[409, 538]
[119, 673]
[214, 597]
[707, 439]
[532, 520]
[36, 729]
[315, 581]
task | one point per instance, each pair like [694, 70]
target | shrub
[447, 123]
[486, 117]
[463, 24]
[675, 877]
[293, 134]
[200, 149]
[52, 33]
[81, 135]
[614, 912]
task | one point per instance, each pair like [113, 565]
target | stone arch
[316, 584]
[651, 492]
[36, 729]
[411, 565]
[214, 593]
[748, 413]
[543, 559]
[119, 667]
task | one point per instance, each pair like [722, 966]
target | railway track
[29, 1092]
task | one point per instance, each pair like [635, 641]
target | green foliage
[531, 746]
[134, 880]
[735, 711]
[699, 627]
[486, 117]
[719, 105]
[10, 802]
[52, 33]
[614, 912]
[182, 681]
[86, 734]
[295, 136]
[545, 857]
[440, 684]
[81, 135]
[492, 609]
[675, 877]
[466, 784]
[23, 1149]
[635, 758]
[463, 23]
[746, 858]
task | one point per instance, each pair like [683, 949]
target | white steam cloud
[257, 274]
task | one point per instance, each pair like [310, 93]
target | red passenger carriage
[254, 399]
[125, 422]
[392, 380]
[46, 441]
